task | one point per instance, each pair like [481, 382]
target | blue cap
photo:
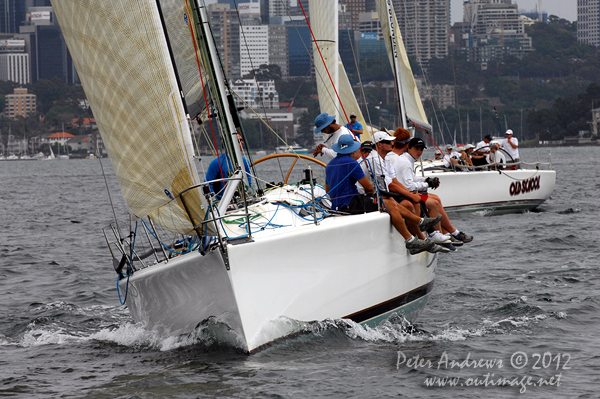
[322, 121]
[346, 144]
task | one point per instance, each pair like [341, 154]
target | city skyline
[566, 9]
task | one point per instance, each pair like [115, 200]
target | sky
[566, 9]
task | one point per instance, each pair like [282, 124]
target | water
[527, 286]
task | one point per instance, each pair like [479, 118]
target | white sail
[411, 106]
[122, 58]
[324, 24]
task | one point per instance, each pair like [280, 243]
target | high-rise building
[226, 30]
[425, 25]
[20, 103]
[351, 10]
[278, 48]
[14, 61]
[49, 56]
[493, 29]
[588, 22]
[12, 15]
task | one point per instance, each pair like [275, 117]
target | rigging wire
[324, 64]
[355, 58]
[203, 87]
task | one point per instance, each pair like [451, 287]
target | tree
[265, 72]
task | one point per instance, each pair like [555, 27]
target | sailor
[438, 155]
[497, 158]
[466, 154]
[404, 168]
[511, 145]
[223, 164]
[481, 152]
[354, 126]
[452, 158]
[385, 178]
[343, 172]
[326, 124]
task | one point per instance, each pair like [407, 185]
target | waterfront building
[255, 94]
[14, 61]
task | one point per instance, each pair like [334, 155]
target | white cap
[508, 132]
[382, 136]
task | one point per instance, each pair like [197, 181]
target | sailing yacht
[251, 259]
[464, 189]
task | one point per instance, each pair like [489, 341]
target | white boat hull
[509, 191]
[352, 267]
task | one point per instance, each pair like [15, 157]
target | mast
[223, 97]
[395, 62]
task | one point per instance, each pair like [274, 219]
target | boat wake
[59, 323]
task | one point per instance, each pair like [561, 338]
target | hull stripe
[391, 304]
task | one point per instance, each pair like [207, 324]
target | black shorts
[361, 204]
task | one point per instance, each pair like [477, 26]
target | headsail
[324, 23]
[411, 107]
[122, 58]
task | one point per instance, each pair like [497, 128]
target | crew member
[511, 145]
[326, 124]
[223, 164]
[341, 175]
[354, 126]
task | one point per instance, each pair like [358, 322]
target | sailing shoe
[464, 237]
[441, 248]
[418, 245]
[429, 222]
[455, 241]
[450, 247]
[439, 238]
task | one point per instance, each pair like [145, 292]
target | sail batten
[123, 61]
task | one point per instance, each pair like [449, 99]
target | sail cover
[122, 59]
[324, 23]
[413, 108]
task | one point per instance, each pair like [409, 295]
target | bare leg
[433, 207]
[446, 225]
[411, 214]
[397, 220]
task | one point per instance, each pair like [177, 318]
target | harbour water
[517, 308]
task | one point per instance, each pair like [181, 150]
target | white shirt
[447, 157]
[483, 146]
[382, 169]
[404, 167]
[365, 168]
[328, 153]
[513, 152]
[497, 157]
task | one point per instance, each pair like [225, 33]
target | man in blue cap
[325, 123]
[341, 175]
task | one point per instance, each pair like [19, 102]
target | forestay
[121, 55]
[412, 106]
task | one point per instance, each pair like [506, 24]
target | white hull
[306, 273]
[494, 191]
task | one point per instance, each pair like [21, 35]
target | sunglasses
[385, 142]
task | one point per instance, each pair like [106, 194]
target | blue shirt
[354, 127]
[214, 172]
[341, 175]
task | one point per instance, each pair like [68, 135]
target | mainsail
[122, 58]
[324, 23]
[411, 106]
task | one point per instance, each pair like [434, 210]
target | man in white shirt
[511, 145]
[482, 151]
[404, 168]
[326, 123]
[452, 158]
[385, 178]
